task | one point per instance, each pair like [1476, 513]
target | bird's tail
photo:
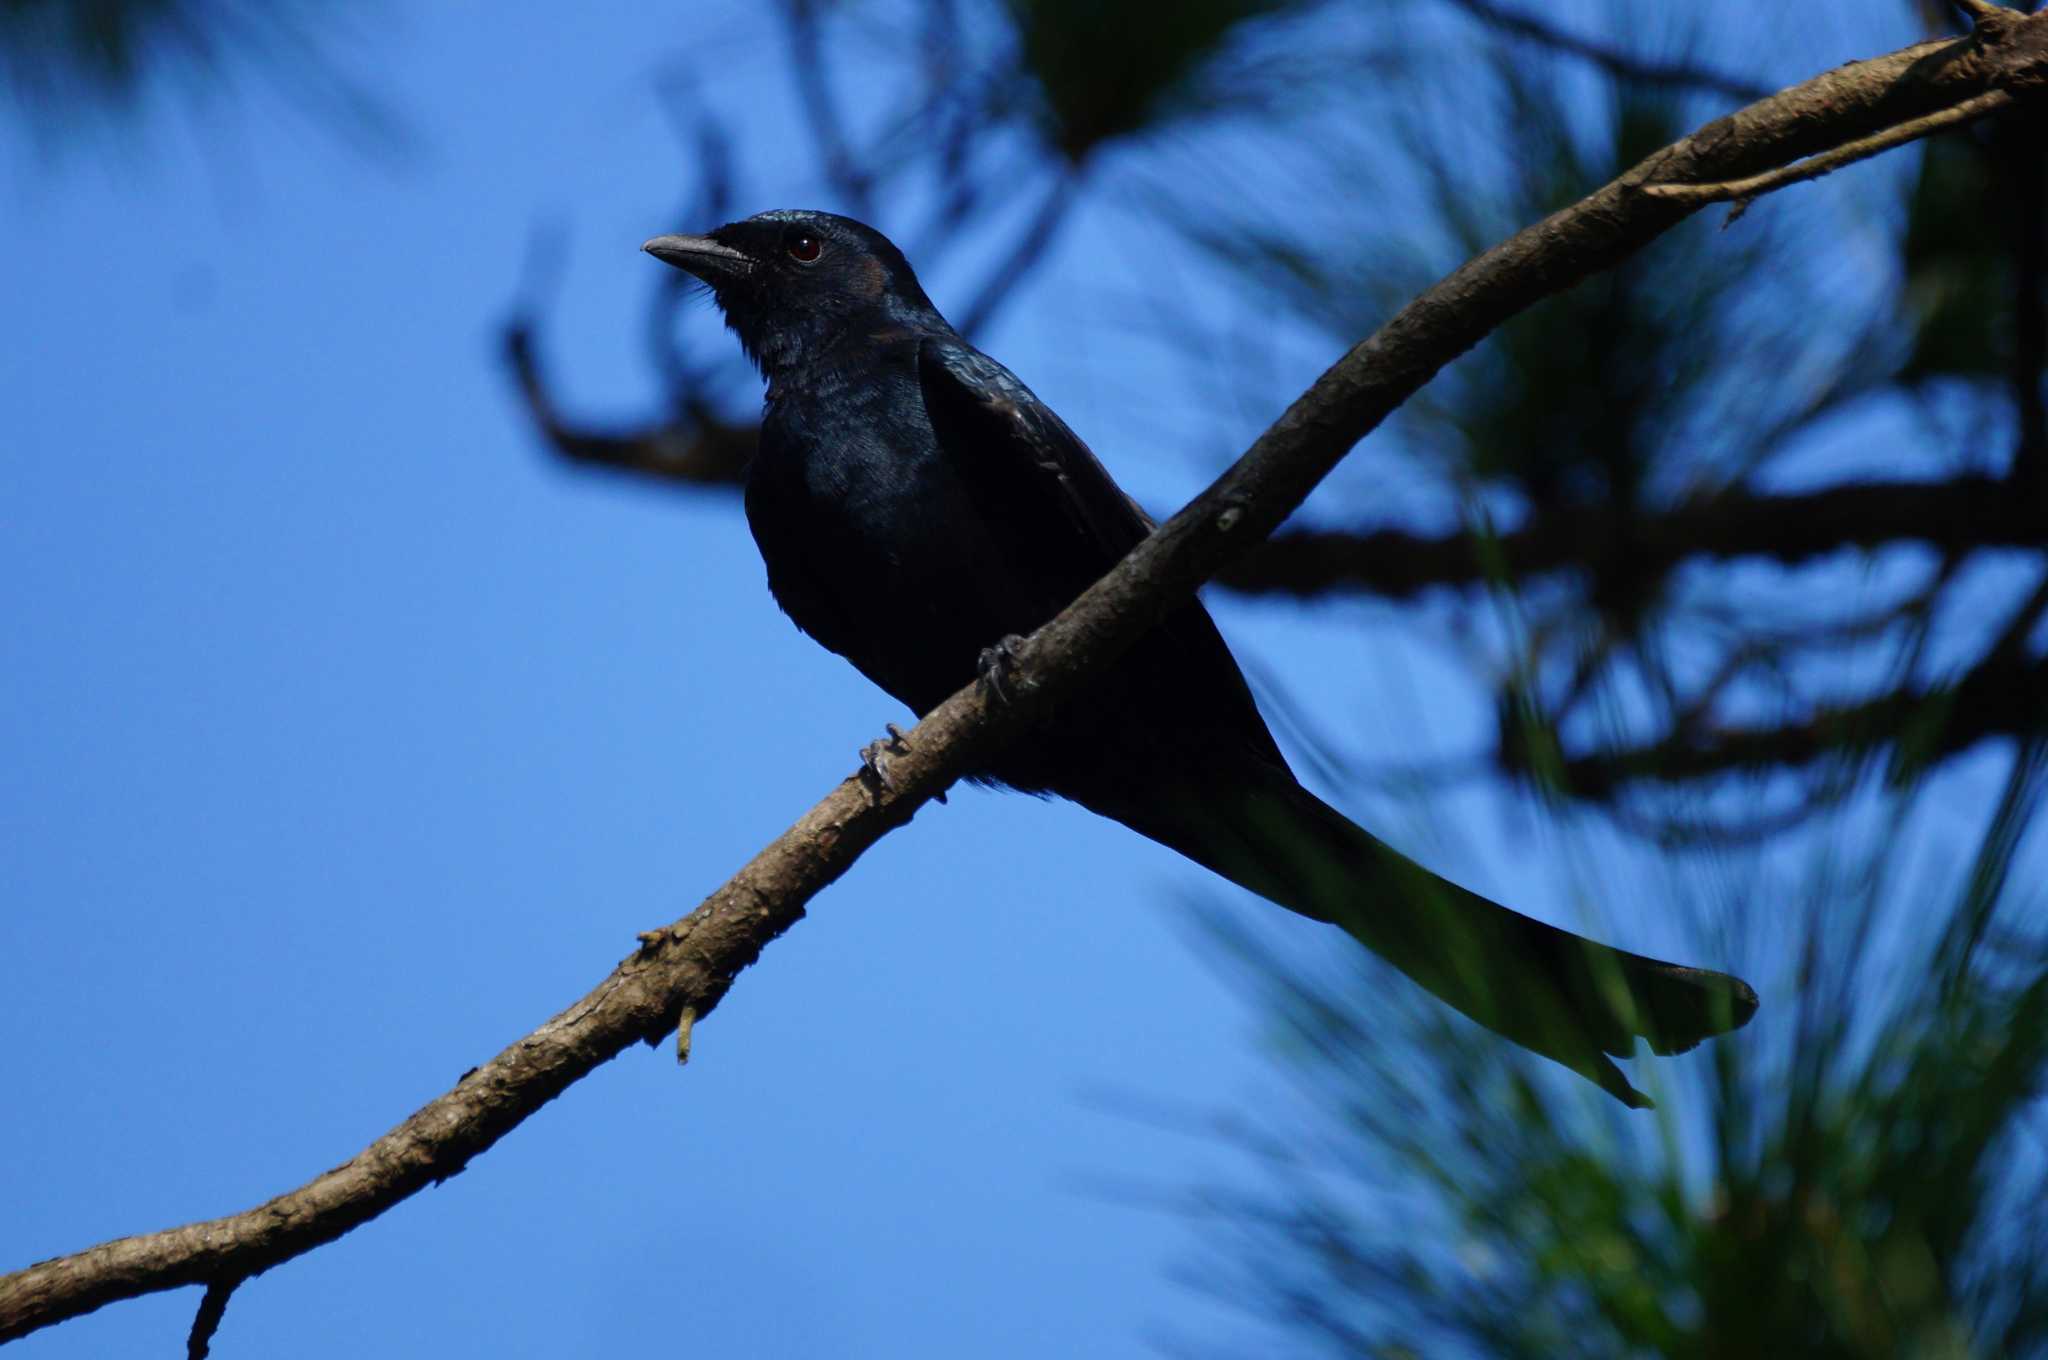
[1568, 998]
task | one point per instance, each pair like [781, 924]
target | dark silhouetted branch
[1960, 514]
[687, 967]
[2002, 696]
[703, 451]
[213, 1307]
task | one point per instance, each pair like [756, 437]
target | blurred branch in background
[1863, 1180]
[1666, 480]
[1664, 484]
[1011, 103]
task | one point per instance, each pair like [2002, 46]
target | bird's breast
[853, 470]
[874, 547]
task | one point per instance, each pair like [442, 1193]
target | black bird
[916, 505]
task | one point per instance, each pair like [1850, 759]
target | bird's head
[793, 283]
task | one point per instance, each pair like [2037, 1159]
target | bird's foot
[996, 667]
[875, 758]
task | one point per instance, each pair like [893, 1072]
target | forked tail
[1556, 993]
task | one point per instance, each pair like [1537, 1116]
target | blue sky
[350, 736]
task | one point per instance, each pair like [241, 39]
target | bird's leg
[875, 758]
[996, 665]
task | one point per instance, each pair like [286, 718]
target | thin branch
[213, 1307]
[1774, 647]
[692, 963]
[1998, 697]
[1827, 162]
[700, 451]
[1620, 65]
[1958, 514]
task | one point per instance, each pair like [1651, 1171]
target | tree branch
[701, 451]
[689, 965]
[2000, 696]
[1958, 514]
[213, 1307]
[1827, 162]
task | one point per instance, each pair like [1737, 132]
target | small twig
[1980, 10]
[1826, 162]
[687, 1023]
[206, 1321]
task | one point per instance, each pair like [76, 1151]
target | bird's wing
[1022, 447]
[1029, 475]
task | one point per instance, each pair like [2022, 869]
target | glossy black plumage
[915, 503]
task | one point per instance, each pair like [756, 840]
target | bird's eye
[805, 249]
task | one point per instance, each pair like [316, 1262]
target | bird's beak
[699, 255]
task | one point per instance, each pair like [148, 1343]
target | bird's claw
[997, 665]
[875, 758]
